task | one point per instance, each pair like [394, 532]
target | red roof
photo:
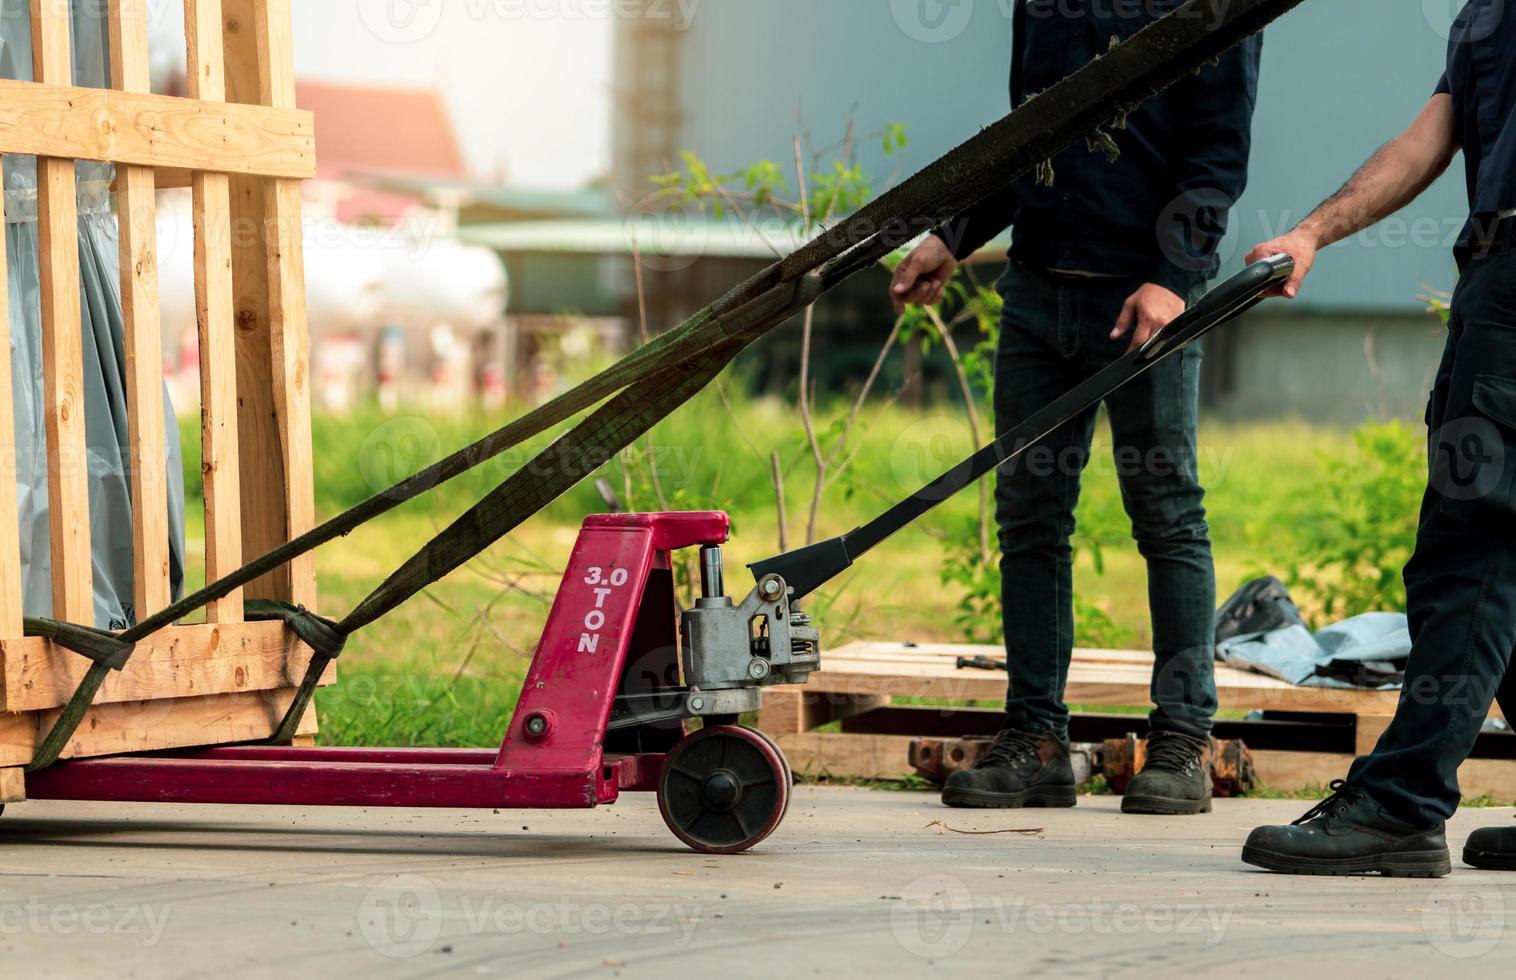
[381, 130]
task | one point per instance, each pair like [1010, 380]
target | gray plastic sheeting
[108, 461]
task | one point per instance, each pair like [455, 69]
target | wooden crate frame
[864, 677]
[241, 145]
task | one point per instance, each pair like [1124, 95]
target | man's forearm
[1384, 185]
[1393, 178]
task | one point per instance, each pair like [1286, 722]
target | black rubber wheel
[724, 789]
[789, 776]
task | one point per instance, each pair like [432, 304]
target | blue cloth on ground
[1296, 655]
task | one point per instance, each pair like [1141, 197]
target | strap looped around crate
[325, 637]
[322, 635]
[108, 650]
[646, 386]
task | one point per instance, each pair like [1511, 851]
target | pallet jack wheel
[789, 776]
[724, 789]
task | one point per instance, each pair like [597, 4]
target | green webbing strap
[655, 379]
[108, 652]
[68, 721]
[106, 649]
[569, 460]
[566, 463]
[322, 635]
[326, 640]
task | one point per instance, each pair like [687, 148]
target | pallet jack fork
[620, 671]
[602, 710]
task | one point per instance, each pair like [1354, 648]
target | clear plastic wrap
[108, 455]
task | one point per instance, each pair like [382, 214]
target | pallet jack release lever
[807, 569]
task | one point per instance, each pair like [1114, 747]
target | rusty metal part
[936, 759]
[1231, 764]
[1116, 759]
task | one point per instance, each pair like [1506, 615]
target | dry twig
[943, 828]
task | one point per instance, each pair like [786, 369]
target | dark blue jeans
[1055, 333]
[1461, 581]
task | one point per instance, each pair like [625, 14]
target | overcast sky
[527, 81]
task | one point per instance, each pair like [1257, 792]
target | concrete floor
[855, 882]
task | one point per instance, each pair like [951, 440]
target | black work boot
[1491, 849]
[1349, 833]
[1176, 779]
[1020, 769]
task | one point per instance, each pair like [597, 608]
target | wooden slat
[1368, 731]
[114, 729]
[179, 662]
[52, 56]
[264, 488]
[137, 219]
[130, 67]
[12, 785]
[1113, 686]
[11, 586]
[272, 367]
[814, 755]
[260, 52]
[932, 653]
[848, 756]
[62, 343]
[205, 78]
[204, 71]
[787, 709]
[290, 355]
[170, 178]
[218, 388]
[155, 130]
[1095, 677]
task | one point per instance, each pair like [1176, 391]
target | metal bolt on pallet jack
[619, 670]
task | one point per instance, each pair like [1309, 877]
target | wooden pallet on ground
[242, 147]
[861, 688]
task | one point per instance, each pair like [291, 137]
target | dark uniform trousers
[1461, 580]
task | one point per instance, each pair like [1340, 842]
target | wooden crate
[859, 684]
[241, 145]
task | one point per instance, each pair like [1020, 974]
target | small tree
[829, 183]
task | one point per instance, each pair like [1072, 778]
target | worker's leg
[1494, 848]
[1389, 815]
[1035, 496]
[1153, 425]
[1153, 422]
[1506, 696]
[1461, 581]
[1461, 585]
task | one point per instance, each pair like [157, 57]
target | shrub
[1345, 548]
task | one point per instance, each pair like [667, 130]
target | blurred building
[367, 132]
[1339, 78]
[400, 309]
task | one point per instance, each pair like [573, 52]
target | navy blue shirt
[1159, 210]
[1481, 78]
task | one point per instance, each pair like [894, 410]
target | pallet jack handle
[807, 569]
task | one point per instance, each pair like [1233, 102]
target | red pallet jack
[620, 670]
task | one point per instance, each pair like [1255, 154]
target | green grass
[445, 668]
